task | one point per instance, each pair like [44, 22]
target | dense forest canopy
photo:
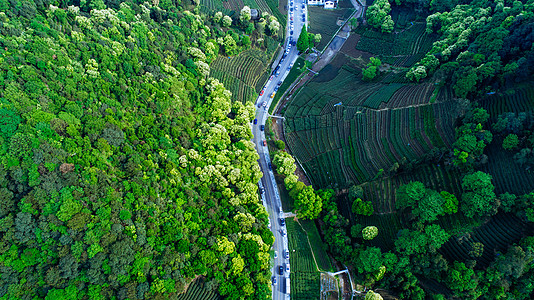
[126, 171]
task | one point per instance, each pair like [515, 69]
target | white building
[327, 4]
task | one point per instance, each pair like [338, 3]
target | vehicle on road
[287, 254]
[259, 105]
[303, 6]
[276, 88]
[275, 254]
[264, 104]
[287, 285]
[262, 190]
[261, 93]
[282, 221]
[272, 95]
[271, 78]
[255, 121]
[281, 270]
[287, 268]
[270, 166]
[279, 83]
[262, 127]
[291, 32]
[274, 280]
[282, 232]
[264, 143]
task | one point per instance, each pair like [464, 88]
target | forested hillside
[126, 171]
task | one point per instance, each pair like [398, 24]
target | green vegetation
[378, 16]
[304, 274]
[324, 22]
[435, 194]
[127, 171]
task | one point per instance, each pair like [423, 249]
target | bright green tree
[307, 204]
[369, 232]
[303, 43]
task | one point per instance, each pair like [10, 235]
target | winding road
[270, 196]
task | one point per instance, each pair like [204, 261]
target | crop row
[304, 275]
[518, 100]
[508, 176]
[383, 95]
[495, 235]
[196, 290]
[244, 67]
[353, 149]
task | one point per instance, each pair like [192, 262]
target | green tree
[244, 15]
[371, 295]
[302, 42]
[307, 204]
[479, 197]
[280, 144]
[369, 232]
[450, 206]
[510, 142]
[362, 207]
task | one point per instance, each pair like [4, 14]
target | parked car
[279, 83]
[275, 254]
[262, 127]
[274, 280]
[264, 143]
[272, 95]
[270, 166]
[291, 32]
[262, 190]
[264, 104]
[276, 89]
[255, 121]
[286, 254]
[303, 6]
[271, 78]
[287, 267]
[261, 93]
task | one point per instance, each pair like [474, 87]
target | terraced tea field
[376, 126]
[496, 235]
[305, 279]
[196, 290]
[243, 74]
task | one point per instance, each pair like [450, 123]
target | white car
[287, 268]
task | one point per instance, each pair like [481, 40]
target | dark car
[279, 83]
[262, 127]
[282, 221]
[281, 270]
[274, 280]
[287, 254]
[276, 89]
[291, 32]
[270, 167]
[262, 190]
[255, 121]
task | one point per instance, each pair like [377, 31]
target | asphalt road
[270, 197]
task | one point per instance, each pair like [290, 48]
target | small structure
[327, 4]
[254, 14]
